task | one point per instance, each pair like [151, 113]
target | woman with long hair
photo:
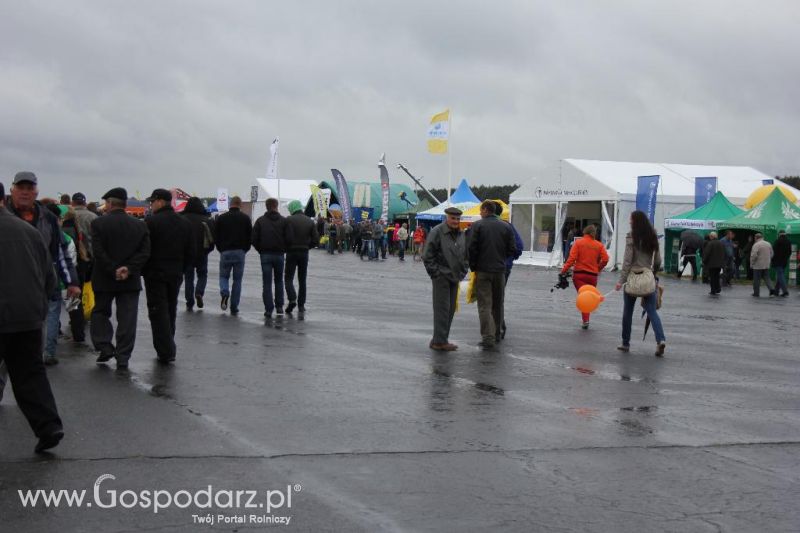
[642, 262]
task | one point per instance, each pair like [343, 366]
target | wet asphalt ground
[368, 430]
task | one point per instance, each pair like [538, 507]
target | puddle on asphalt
[485, 387]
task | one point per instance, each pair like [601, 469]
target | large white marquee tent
[604, 193]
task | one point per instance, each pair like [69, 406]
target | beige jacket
[637, 260]
[760, 255]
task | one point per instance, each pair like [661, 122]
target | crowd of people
[56, 248]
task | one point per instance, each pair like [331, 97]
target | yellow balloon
[760, 194]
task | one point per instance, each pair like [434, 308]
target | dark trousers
[272, 273]
[77, 322]
[714, 275]
[101, 329]
[22, 354]
[401, 247]
[162, 307]
[758, 275]
[689, 260]
[490, 291]
[298, 261]
[190, 289]
[445, 293]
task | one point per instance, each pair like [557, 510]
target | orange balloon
[588, 301]
[591, 288]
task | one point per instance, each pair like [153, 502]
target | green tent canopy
[768, 217]
[702, 220]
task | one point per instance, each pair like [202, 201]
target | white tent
[604, 193]
[289, 190]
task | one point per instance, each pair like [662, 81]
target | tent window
[544, 227]
[522, 218]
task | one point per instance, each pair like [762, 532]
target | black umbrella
[691, 239]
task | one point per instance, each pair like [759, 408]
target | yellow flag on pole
[439, 133]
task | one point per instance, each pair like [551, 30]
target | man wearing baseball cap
[171, 249]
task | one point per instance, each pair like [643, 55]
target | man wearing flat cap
[120, 247]
[171, 249]
[83, 244]
[445, 260]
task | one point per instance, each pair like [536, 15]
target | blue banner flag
[704, 190]
[767, 182]
[360, 214]
[646, 196]
[344, 193]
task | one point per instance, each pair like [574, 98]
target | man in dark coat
[491, 241]
[690, 243]
[232, 232]
[445, 260]
[714, 260]
[27, 282]
[304, 237]
[203, 236]
[120, 248]
[271, 233]
[782, 250]
[171, 250]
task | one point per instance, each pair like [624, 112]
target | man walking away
[760, 257]
[271, 233]
[727, 242]
[171, 250]
[714, 260]
[304, 236]
[491, 241]
[378, 229]
[27, 282]
[83, 226]
[445, 260]
[120, 247]
[232, 236]
[203, 236]
[690, 242]
[783, 251]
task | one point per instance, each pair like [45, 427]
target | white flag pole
[449, 154]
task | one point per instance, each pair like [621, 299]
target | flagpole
[449, 155]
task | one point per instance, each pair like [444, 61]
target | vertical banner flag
[768, 182]
[272, 168]
[704, 190]
[344, 194]
[254, 193]
[646, 196]
[315, 199]
[324, 201]
[222, 200]
[439, 133]
[384, 189]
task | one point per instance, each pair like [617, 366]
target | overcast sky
[144, 94]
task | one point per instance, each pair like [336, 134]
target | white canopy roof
[289, 189]
[586, 179]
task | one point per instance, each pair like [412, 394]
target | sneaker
[105, 357]
[122, 366]
[290, 307]
[189, 307]
[784, 295]
[660, 349]
[624, 348]
[50, 360]
[279, 311]
[267, 314]
[234, 312]
[49, 441]
[585, 325]
[223, 304]
[487, 344]
[199, 298]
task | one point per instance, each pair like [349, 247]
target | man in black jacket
[491, 241]
[714, 260]
[271, 233]
[304, 237]
[120, 248]
[202, 234]
[232, 233]
[782, 250]
[27, 282]
[171, 249]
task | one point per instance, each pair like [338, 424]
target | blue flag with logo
[767, 182]
[704, 190]
[646, 195]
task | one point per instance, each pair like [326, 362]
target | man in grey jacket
[445, 260]
[27, 282]
[760, 258]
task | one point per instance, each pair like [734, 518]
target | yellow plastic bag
[471, 296]
[87, 300]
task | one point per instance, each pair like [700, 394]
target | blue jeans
[272, 271]
[190, 289]
[231, 260]
[780, 281]
[51, 326]
[627, 317]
